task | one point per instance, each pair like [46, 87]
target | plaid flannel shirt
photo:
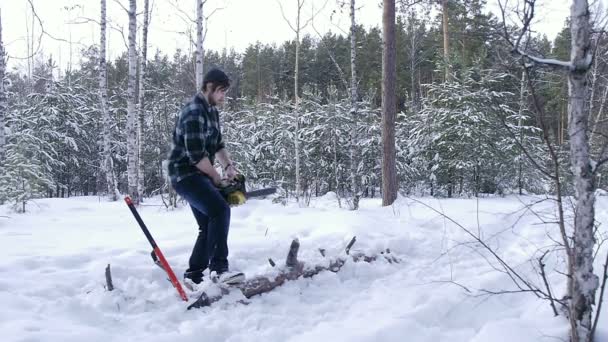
[197, 135]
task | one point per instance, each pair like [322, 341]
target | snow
[53, 260]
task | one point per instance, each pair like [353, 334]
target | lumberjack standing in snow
[197, 142]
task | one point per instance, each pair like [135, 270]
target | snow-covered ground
[53, 259]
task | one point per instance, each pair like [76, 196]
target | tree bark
[413, 48]
[3, 105]
[585, 282]
[107, 161]
[446, 39]
[297, 102]
[142, 92]
[522, 103]
[353, 107]
[389, 108]
[131, 106]
[199, 45]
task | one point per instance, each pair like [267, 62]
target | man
[197, 142]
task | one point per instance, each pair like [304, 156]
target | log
[294, 269]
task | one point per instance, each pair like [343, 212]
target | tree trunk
[333, 97]
[297, 103]
[107, 161]
[142, 91]
[199, 45]
[522, 102]
[293, 269]
[446, 39]
[598, 117]
[585, 283]
[353, 107]
[131, 106]
[3, 105]
[389, 107]
[413, 92]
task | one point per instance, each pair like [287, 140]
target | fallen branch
[294, 269]
[350, 244]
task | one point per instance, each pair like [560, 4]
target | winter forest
[461, 102]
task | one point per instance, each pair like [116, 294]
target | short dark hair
[217, 78]
[215, 86]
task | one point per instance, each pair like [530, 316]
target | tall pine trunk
[297, 104]
[389, 105]
[585, 283]
[3, 105]
[142, 93]
[131, 105]
[446, 39]
[413, 66]
[199, 44]
[107, 161]
[353, 107]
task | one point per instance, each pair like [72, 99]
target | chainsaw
[235, 191]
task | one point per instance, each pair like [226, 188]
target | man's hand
[231, 172]
[217, 180]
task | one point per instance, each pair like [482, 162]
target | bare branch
[545, 61]
[213, 12]
[544, 276]
[601, 299]
[121, 31]
[528, 15]
[42, 26]
[525, 151]
[313, 15]
[332, 57]
[451, 282]
[34, 53]
[285, 18]
[83, 20]
[509, 270]
[175, 5]
[121, 5]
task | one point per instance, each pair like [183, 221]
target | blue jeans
[212, 213]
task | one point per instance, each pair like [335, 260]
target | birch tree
[582, 282]
[199, 44]
[3, 106]
[107, 161]
[389, 105]
[585, 282]
[142, 93]
[297, 29]
[131, 105]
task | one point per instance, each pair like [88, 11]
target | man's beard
[211, 99]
